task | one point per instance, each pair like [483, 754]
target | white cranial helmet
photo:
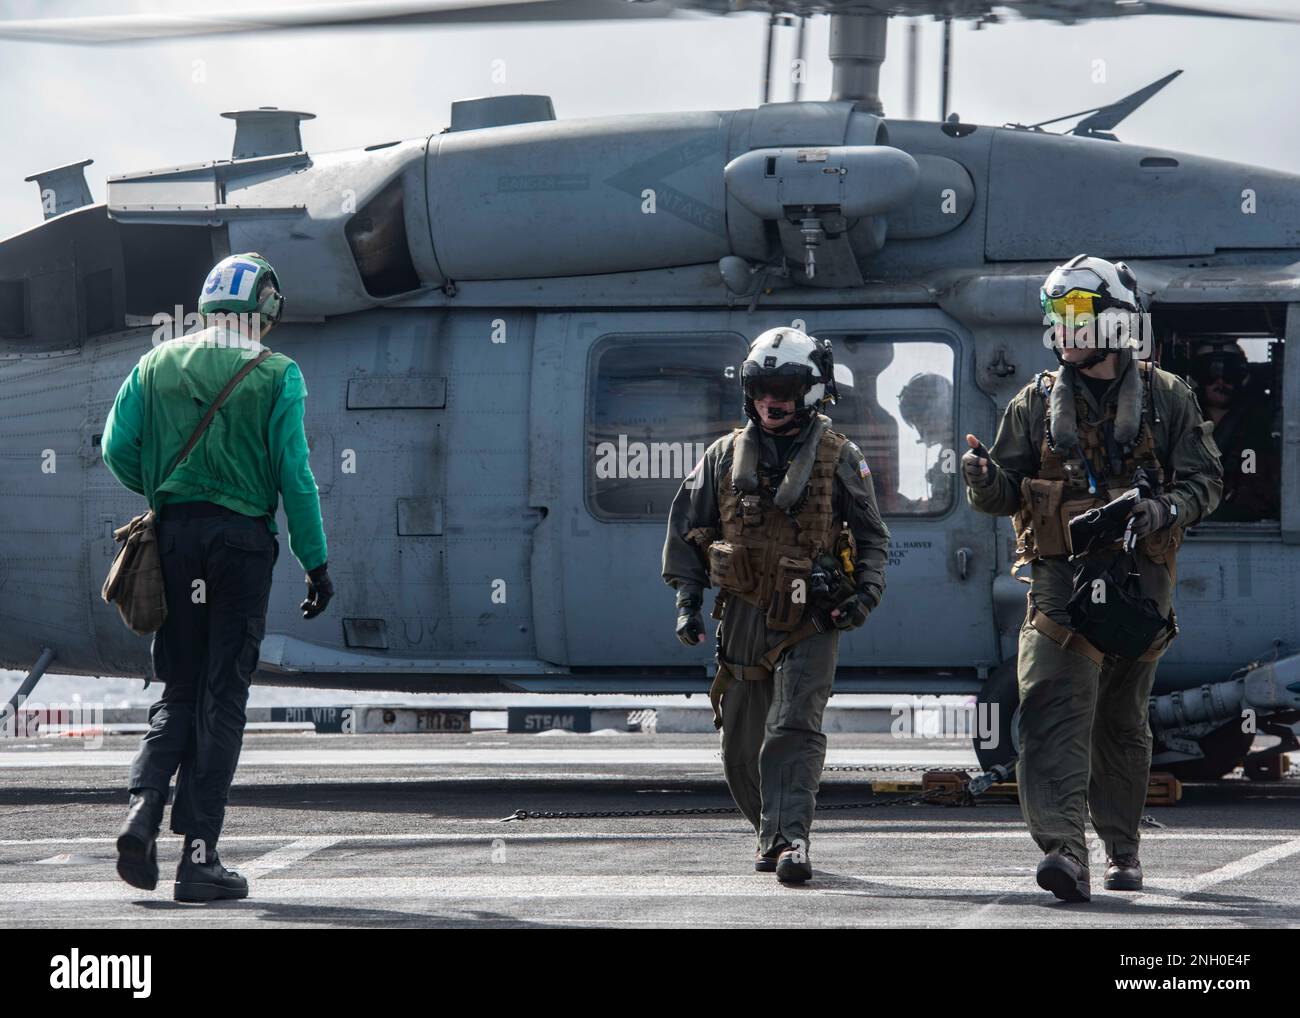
[791, 365]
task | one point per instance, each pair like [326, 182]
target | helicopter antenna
[1100, 121]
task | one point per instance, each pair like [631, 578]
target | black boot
[137, 842]
[207, 881]
[1066, 877]
[793, 866]
[1124, 873]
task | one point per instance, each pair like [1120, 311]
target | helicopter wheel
[999, 688]
[1224, 749]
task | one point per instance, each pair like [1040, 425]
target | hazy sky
[140, 106]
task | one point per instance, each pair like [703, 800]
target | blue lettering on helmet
[239, 268]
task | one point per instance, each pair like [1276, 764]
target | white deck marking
[1187, 886]
[285, 855]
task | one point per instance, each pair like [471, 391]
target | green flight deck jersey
[252, 454]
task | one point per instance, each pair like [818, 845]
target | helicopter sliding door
[624, 404]
[623, 407]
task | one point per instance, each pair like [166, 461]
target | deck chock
[1163, 789]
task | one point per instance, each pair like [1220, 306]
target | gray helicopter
[520, 333]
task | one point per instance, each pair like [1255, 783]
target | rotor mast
[857, 50]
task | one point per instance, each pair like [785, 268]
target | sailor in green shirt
[215, 514]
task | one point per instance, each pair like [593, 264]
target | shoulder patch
[853, 454]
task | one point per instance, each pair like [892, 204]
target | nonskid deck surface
[404, 831]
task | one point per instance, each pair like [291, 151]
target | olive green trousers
[1085, 745]
[773, 748]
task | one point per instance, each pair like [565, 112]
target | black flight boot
[207, 881]
[1123, 872]
[765, 863]
[137, 842]
[1066, 877]
[792, 866]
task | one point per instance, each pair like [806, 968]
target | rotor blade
[1071, 11]
[988, 11]
[1185, 10]
[145, 27]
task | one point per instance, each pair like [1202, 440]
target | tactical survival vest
[764, 555]
[1072, 481]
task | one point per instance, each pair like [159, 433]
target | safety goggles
[1075, 306]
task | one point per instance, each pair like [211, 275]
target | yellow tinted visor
[1077, 306]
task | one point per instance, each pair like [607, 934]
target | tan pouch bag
[729, 568]
[1041, 501]
[1072, 507]
[790, 595]
[135, 581]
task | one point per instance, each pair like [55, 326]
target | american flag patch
[863, 469]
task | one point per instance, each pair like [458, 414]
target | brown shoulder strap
[212, 410]
[770, 659]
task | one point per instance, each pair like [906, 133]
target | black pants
[205, 653]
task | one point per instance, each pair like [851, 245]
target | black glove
[975, 473]
[1151, 515]
[853, 613]
[319, 591]
[690, 624]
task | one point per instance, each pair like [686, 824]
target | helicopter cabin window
[1232, 358]
[655, 403]
[899, 410]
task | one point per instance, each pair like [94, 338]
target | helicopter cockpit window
[899, 411]
[655, 403]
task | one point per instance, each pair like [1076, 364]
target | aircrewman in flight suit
[1072, 440]
[780, 515]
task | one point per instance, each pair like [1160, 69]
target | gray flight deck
[403, 831]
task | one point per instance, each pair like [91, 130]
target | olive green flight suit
[773, 748]
[1085, 744]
